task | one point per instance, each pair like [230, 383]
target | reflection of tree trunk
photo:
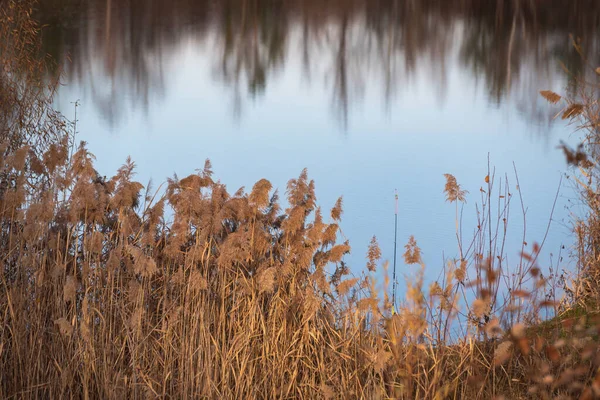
[510, 47]
[388, 64]
[305, 46]
[108, 18]
[533, 10]
[110, 57]
[342, 74]
[499, 13]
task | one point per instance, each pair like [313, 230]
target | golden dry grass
[242, 296]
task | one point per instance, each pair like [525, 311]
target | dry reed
[237, 297]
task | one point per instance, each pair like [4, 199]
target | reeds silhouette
[242, 295]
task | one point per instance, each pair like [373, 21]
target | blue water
[363, 128]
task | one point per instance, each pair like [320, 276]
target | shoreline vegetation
[247, 296]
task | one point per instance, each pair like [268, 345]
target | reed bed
[244, 295]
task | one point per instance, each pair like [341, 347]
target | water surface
[370, 96]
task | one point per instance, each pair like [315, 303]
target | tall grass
[242, 295]
[582, 109]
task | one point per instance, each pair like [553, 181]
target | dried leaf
[572, 111]
[550, 96]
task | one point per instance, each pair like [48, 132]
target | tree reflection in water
[122, 51]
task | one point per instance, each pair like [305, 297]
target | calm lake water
[370, 96]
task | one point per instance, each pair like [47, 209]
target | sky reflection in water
[368, 97]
